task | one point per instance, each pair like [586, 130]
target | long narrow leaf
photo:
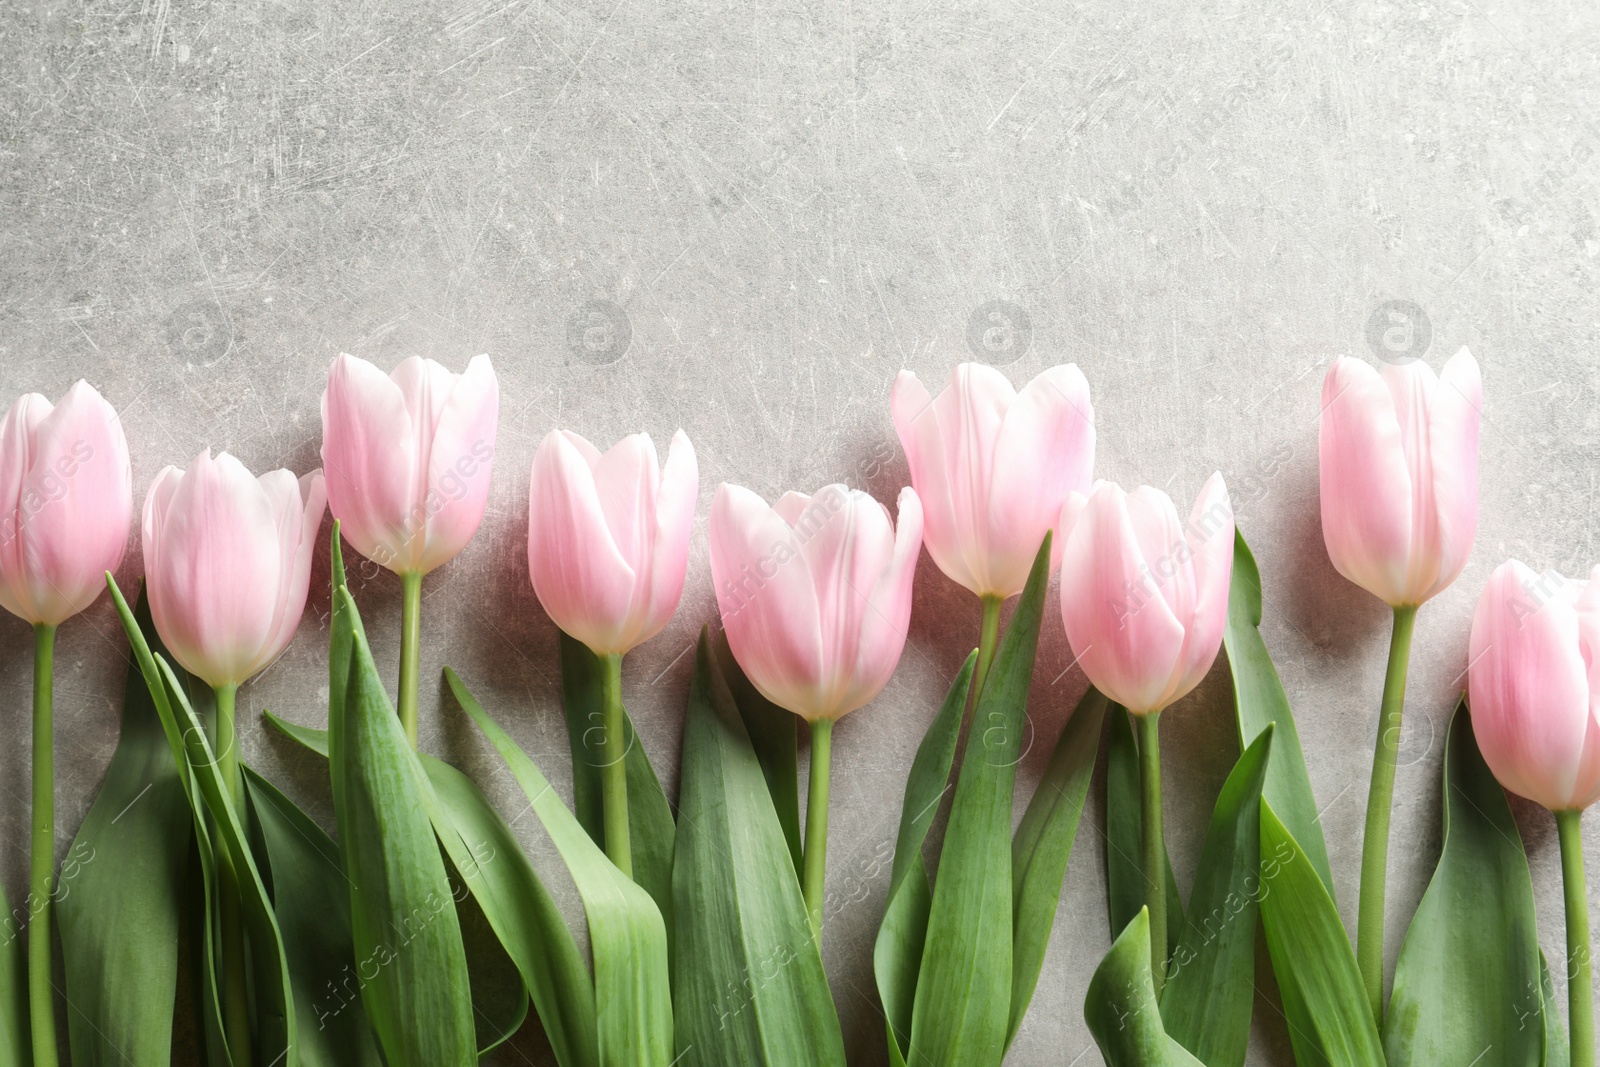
[774, 734]
[626, 934]
[121, 911]
[407, 937]
[1468, 974]
[963, 997]
[748, 984]
[1210, 988]
[897, 954]
[312, 902]
[1557, 1053]
[1121, 1009]
[1259, 699]
[1330, 1021]
[1044, 844]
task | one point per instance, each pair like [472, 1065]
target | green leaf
[774, 736]
[963, 997]
[1468, 976]
[1121, 1008]
[274, 1034]
[748, 984]
[626, 934]
[1043, 845]
[499, 997]
[485, 854]
[1324, 1000]
[1124, 834]
[402, 912]
[897, 954]
[1210, 988]
[311, 900]
[120, 910]
[1556, 1051]
[1259, 699]
[15, 1048]
[650, 824]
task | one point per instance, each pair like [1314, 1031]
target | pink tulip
[608, 536]
[1399, 454]
[66, 500]
[815, 593]
[408, 457]
[1144, 598]
[1534, 684]
[227, 560]
[994, 466]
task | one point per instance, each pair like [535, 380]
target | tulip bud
[227, 561]
[1534, 684]
[994, 466]
[608, 536]
[407, 457]
[66, 500]
[1399, 458]
[1143, 598]
[815, 593]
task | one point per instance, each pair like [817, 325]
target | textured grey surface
[778, 206]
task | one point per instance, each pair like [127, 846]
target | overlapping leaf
[748, 984]
[1469, 972]
[1121, 1007]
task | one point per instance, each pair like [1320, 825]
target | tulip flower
[815, 596]
[1399, 466]
[993, 467]
[608, 547]
[1534, 688]
[227, 562]
[1144, 599]
[408, 457]
[66, 500]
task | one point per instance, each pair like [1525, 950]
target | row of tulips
[421, 933]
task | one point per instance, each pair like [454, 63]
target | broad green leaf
[1556, 1051]
[897, 955]
[120, 897]
[774, 735]
[1468, 976]
[312, 902]
[1121, 1009]
[499, 997]
[1124, 834]
[485, 854]
[1330, 1020]
[627, 937]
[273, 1018]
[748, 984]
[1043, 845]
[1259, 699]
[650, 824]
[1210, 988]
[402, 913]
[963, 997]
[15, 1048]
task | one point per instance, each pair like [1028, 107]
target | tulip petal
[584, 583]
[917, 425]
[767, 599]
[1209, 537]
[625, 480]
[846, 550]
[887, 618]
[1365, 485]
[1528, 684]
[1045, 452]
[460, 459]
[369, 461]
[1457, 413]
[674, 526]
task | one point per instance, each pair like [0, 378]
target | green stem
[410, 650]
[41, 991]
[986, 642]
[1380, 801]
[1154, 851]
[236, 991]
[614, 771]
[1580, 982]
[816, 854]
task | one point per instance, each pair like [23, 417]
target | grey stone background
[743, 220]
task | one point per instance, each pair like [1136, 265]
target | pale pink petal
[887, 616]
[1457, 412]
[370, 461]
[674, 526]
[460, 459]
[1209, 538]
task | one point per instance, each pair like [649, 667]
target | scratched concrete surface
[742, 221]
